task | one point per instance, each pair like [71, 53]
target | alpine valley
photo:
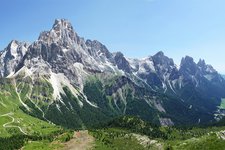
[62, 82]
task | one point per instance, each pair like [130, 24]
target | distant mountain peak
[201, 62]
[160, 58]
[158, 54]
[62, 32]
[15, 47]
[62, 24]
[187, 60]
[13, 42]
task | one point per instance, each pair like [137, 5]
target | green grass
[222, 104]
[40, 133]
[42, 145]
[208, 142]
[3, 131]
[101, 146]
[112, 138]
[9, 103]
[28, 123]
[192, 138]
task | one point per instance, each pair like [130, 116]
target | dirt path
[80, 141]
[7, 125]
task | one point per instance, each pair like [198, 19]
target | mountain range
[76, 83]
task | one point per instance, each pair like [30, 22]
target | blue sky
[137, 28]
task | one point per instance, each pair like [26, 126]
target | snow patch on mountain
[208, 77]
[13, 50]
[58, 81]
[57, 86]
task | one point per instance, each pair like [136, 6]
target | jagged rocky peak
[159, 54]
[62, 33]
[161, 59]
[16, 48]
[164, 66]
[62, 24]
[121, 62]
[12, 56]
[188, 66]
[13, 45]
[187, 60]
[201, 63]
[97, 48]
[53, 45]
[198, 72]
[205, 67]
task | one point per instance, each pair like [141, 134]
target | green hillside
[131, 132]
[16, 127]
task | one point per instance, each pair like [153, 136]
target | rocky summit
[67, 80]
